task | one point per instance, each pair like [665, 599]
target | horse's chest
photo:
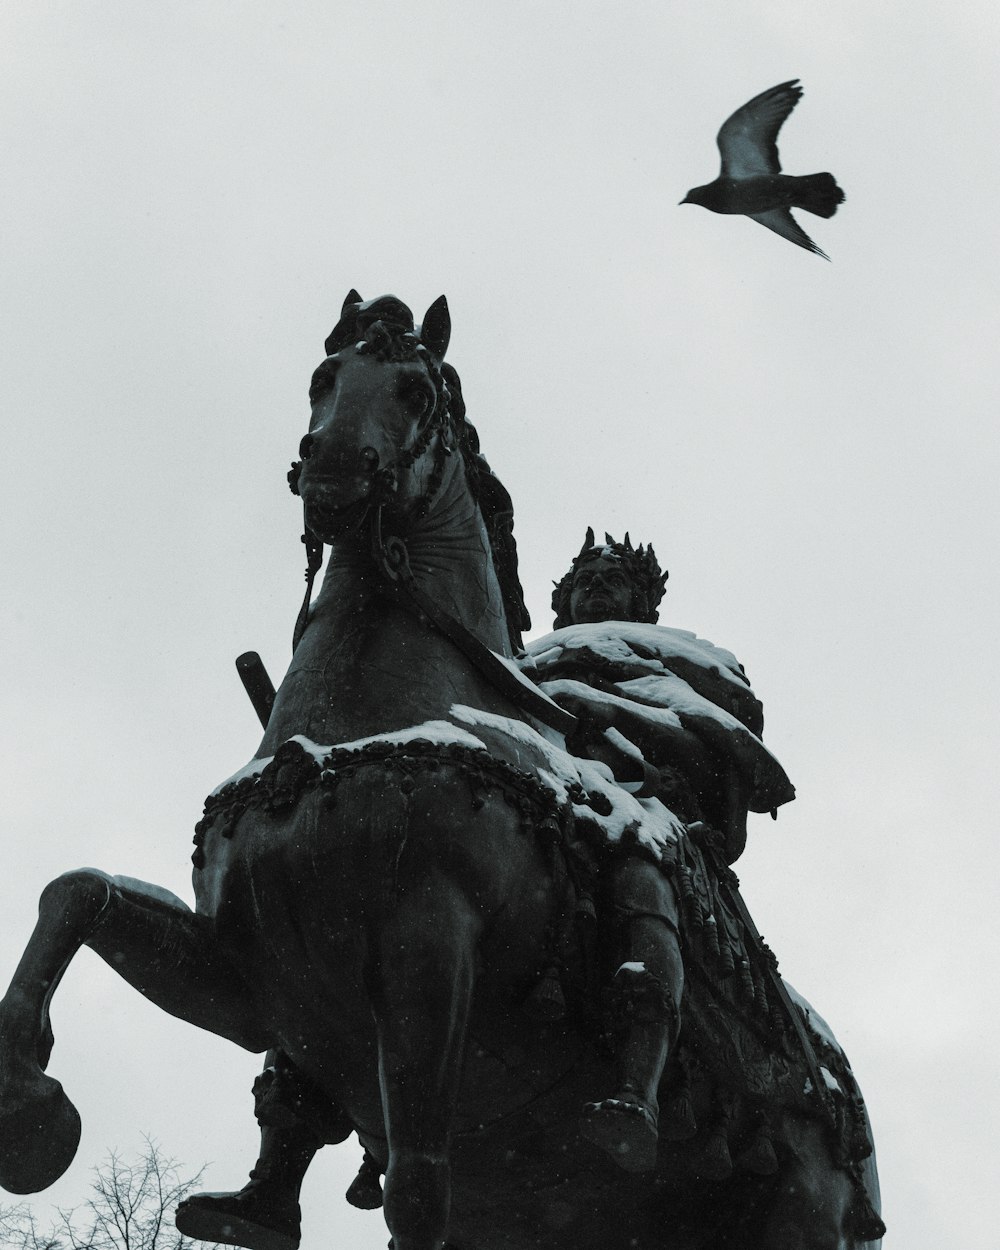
[366, 687]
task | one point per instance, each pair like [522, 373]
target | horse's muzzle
[332, 508]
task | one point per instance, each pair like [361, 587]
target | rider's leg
[152, 940]
[296, 1119]
[646, 993]
[265, 1213]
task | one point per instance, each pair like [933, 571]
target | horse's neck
[366, 663]
[450, 559]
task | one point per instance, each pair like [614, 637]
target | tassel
[677, 1122]
[546, 1002]
[866, 1223]
[760, 1158]
[365, 1191]
[586, 912]
[716, 1163]
[712, 936]
[760, 991]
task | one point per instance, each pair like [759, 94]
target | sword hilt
[257, 684]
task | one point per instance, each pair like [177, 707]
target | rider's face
[601, 592]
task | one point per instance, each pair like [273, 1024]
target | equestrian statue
[474, 901]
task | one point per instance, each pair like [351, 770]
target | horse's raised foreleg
[152, 940]
[422, 994]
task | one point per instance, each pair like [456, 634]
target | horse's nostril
[369, 457]
[305, 447]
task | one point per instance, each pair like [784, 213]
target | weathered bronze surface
[524, 977]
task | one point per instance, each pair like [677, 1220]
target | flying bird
[751, 181]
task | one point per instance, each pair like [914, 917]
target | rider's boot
[265, 1213]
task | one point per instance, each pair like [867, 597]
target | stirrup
[625, 1129]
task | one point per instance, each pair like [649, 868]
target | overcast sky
[190, 190]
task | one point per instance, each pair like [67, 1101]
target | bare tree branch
[131, 1208]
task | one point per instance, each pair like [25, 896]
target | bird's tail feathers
[819, 194]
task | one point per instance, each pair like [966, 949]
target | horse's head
[380, 424]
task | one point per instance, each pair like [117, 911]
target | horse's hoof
[624, 1130]
[39, 1136]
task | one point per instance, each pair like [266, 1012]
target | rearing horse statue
[382, 890]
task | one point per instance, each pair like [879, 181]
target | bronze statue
[407, 897]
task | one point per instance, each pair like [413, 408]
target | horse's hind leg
[422, 994]
[158, 945]
[812, 1202]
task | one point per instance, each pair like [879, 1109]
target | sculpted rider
[675, 720]
[641, 714]
[615, 583]
[692, 766]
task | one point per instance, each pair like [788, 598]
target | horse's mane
[386, 326]
[497, 508]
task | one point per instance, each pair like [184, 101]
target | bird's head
[695, 196]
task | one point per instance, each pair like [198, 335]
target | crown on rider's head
[640, 566]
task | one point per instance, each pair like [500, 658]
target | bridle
[385, 486]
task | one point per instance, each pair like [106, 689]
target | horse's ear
[436, 329]
[341, 333]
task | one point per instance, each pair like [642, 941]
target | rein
[394, 562]
[314, 562]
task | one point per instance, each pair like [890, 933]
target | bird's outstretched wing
[781, 221]
[747, 139]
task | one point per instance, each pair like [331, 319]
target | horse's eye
[323, 379]
[418, 399]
